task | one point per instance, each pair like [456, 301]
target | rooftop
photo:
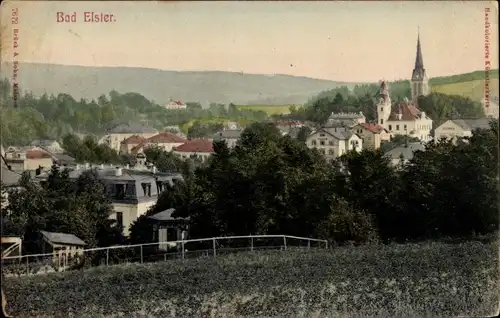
[196, 145]
[471, 124]
[62, 238]
[374, 128]
[166, 137]
[406, 151]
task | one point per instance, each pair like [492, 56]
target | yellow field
[472, 89]
[269, 109]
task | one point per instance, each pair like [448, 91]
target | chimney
[118, 172]
[422, 115]
[154, 169]
[400, 116]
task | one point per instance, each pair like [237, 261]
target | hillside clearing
[269, 109]
[404, 280]
[472, 89]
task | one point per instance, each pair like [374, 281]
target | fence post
[308, 244]
[284, 241]
[213, 244]
[165, 257]
[326, 244]
[107, 256]
[251, 243]
[141, 254]
[27, 265]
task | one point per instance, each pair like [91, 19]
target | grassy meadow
[472, 89]
[431, 279]
[269, 109]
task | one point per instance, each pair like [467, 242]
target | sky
[343, 41]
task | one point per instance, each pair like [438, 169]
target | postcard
[249, 158]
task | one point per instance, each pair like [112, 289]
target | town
[379, 169]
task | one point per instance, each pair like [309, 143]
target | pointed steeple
[419, 81]
[419, 62]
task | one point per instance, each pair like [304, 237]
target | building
[403, 118]
[130, 143]
[114, 136]
[345, 120]
[166, 228]
[27, 158]
[373, 135]
[333, 143]
[419, 80]
[231, 137]
[50, 145]
[403, 154]
[490, 107]
[458, 128]
[175, 104]
[64, 247]
[196, 148]
[131, 190]
[166, 140]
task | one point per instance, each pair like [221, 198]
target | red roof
[196, 145]
[133, 140]
[408, 110]
[166, 137]
[37, 154]
[374, 128]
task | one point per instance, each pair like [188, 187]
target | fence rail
[32, 264]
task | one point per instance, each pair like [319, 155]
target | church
[405, 118]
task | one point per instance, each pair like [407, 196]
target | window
[147, 189]
[330, 152]
[313, 142]
[330, 142]
[119, 219]
[404, 127]
[381, 121]
[120, 191]
[322, 142]
[397, 127]
[381, 109]
[390, 127]
[322, 135]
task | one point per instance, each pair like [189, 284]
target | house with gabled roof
[332, 143]
[196, 148]
[458, 128]
[118, 133]
[373, 134]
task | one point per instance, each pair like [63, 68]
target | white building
[175, 104]
[458, 128]
[333, 143]
[403, 118]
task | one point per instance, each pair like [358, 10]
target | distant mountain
[159, 85]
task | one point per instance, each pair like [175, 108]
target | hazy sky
[346, 41]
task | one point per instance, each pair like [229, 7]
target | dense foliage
[440, 107]
[269, 184]
[61, 204]
[410, 280]
[52, 117]
[89, 150]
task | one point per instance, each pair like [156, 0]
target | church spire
[419, 81]
[419, 61]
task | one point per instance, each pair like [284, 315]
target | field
[432, 279]
[269, 109]
[184, 128]
[472, 89]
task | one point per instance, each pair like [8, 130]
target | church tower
[383, 105]
[419, 81]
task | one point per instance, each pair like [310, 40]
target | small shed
[168, 228]
[63, 246]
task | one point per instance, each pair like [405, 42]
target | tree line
[52, 117]
[362, 98]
